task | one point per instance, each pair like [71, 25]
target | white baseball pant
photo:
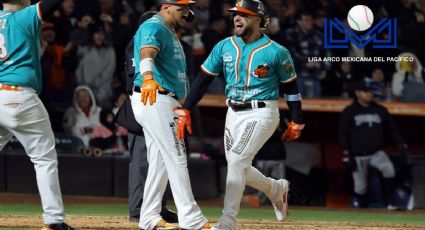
[378, 160]
[24, 116]
[167, 160]
[245, 133]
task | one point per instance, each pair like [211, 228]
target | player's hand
[293, 132]
[149, 88]
[183, 123]
[350, 162]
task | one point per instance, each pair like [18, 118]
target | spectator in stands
[97, 65]
[340, 82]
[274, 31]
[56, 64]
[411, 26]
[108, 16]
[363, 126]
[376, 81]
[80, 119]
[107, 135]
[81, 35]
[64, 20]
[202, 12]
[214, 32]
[407, 72]
[306, 41]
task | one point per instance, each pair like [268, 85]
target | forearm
[147, 57]
[293, 100]
[198, 89]
[48, 7]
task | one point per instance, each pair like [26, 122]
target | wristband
[146, 65]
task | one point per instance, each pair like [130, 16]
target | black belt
[242, 106]
[165, 92]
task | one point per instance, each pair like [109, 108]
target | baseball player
[160, 82]
[138, 167]
[23, 114]
[254, 66]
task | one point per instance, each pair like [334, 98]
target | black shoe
[169, 216]
[61, 226]
[133, 219]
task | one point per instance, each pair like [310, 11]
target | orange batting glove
[183, 123]
[149, 88]
[293, 132]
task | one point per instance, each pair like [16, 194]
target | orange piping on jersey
[248, 75]
[39, 12]
[208, 73]
[238, 57]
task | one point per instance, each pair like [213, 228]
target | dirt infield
[121, 222]
[113, 222]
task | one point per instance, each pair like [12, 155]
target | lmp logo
[360, 18]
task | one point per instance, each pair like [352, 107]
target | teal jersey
[170, 62]
[252, 71]
[20, 47]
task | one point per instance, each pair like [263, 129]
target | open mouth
[238, 25]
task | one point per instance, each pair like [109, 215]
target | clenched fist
[183, 123]
[293, 132]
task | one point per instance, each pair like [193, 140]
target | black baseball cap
[363, 86]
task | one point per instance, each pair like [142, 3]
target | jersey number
[3, 50]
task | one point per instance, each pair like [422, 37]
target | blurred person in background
[107, 135]
[341, 80]
[303, 40]
[56, 67]
[407, 72]
[411, 25]
[65, 21]
[362, 130]
[81, 118]
[377, 82]
[81, 34]
[97, 66]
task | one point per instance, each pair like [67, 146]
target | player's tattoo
[249, 129]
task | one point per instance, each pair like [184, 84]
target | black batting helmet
[173, 2]
[145, 16]
[252, 7]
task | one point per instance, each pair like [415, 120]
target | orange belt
[10, 87]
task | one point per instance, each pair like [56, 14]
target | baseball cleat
[169, 216]
[281, 206]
[61, 226]
[133, 219]
[207, 226]
[164, 225]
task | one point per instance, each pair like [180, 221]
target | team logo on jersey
[289, 68]
[227, 57]
[261, 71]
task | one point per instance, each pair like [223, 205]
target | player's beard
[243, 32]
